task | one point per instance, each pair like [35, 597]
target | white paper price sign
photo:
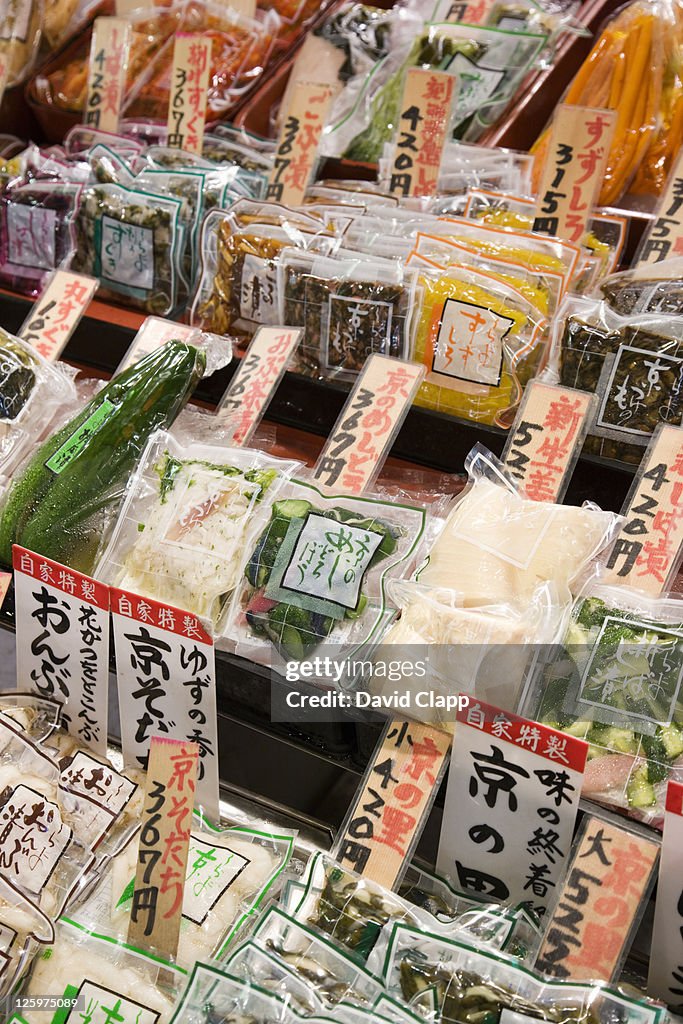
[665, 980]
[56, 313]
[547, 435]
[166, 676]
[257, 378]
[62, 621]
[153, 334]
[511, 803]
[107, 72]
[645, 553]
[371, 417]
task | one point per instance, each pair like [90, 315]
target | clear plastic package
[36, 233]
[189, 515]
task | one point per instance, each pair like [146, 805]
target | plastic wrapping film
[229, 874]
[496, 545]
[628, 55]
[21, 26]
[238, 291]
[615, 682]
[36, 233]
[350, 307]
[28, 713]
[365, 115]
[288, 606]
[443, 980]
[190, 514]
[83, 964]
[481, 341]
[31, 392]
[657, 288]
[67, 495]
[634, 363]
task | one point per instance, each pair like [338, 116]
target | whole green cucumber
[62, 501]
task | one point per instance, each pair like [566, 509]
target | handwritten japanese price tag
[511, 804]
[297, 147]
[645, 553]
[166, 676]
[373, 413]
[153, 334]
[189, 85]
[547, 434]
[107, 72]
[665, 980]
[62, 621]
[608, 880]
[257, 379]
[56, 313]
[664, 239]
[422, 131]
[164, 845]
[574, 168]
[394, 801]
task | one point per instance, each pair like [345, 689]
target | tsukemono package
[190, 514]
[36, 233]
[350, 307]
[31, 390]
[23, 928]
[635, 365]
[238, 291]
[229, 873]
[37, 716]
[318, 572]
[102, 974]
[446, 981]
[41, 852]
[483, 650]
[132, 241]
[218, 995]
[497, 546]
[20, 34]
[650, 288]
[481, 341]
[615, 682]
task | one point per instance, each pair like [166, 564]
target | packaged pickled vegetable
[189, 515]
[446, 981]
[37, 234]
[104, 975]
[648, 289]
[229, 873]
[615, 682]
[62, 503]
[23, 929]
[623, 72]
[349, 308]
[634, 363]
[133, 242]
[31, 391]
[481, 341]
[238, 291]
[217, 994]
[20, 34]
[28, 713]
[482, 650]
[497, 545]
[318, 572]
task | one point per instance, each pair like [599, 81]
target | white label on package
[62, 622]
[511, 803]
[258, 293]
[106, 793]
[665, 980]
[329, 560]
[33, 837]
[98, 1005]
[166, 675]
[127, 254]
[211, 870]
[354, 329]
[31, 236]
[469, 345]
